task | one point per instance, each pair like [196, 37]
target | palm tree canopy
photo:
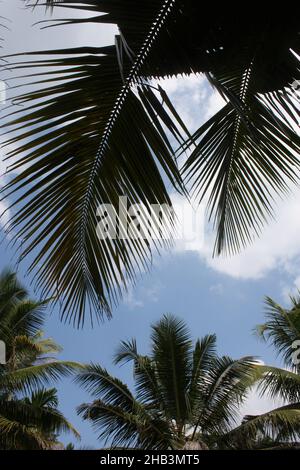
[277, 428]
[181, 391]
[94, 128]
[282, 329]
[29, 415]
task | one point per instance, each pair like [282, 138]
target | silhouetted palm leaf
[101, 139]
[97, 131]
[245, 154]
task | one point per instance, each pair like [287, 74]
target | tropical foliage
[29, 414]
[282, 330]
[188, 397]
[97, 126]
[182, 392]
[279, 427]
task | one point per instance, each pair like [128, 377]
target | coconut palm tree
[29, 415]
[97, 126]
[282, 330]
[185, 395]
[279, 427]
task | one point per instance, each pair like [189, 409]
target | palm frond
[36, 376]
[146, 384]
[281, 424]
[100, 139]
[14, 435]
[102, 385]
[127, 430]
[282, 329]
[33, 418]
[11, 291]
[244, 155]
[171, 346]
[24, 318]
[120, 417]
[103, 138]
[115, 424]
[44, 397]
[203, 356]
[279, 383]
[227, 383]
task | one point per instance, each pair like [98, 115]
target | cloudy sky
[221, 295]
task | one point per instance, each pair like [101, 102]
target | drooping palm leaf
[101, 384]
[260, 62]
[244, 56]
[245, 155]
[117, 414]
[281, 424]
[30, 423]
[278, 383]
[226, 386]
[35, 376]
[127, 430]
[100, 140]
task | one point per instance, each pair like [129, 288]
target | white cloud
[277, 248]
[194, 99]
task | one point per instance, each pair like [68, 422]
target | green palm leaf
[28, 423]
[278, 383]
[171, 346]
[101, 384]
[102, 138]
[128, 430]
[244, 155]
[35, 376]
[116, 413]
[146, 384]
[204, 354]
[280, 424]
[227, 383]
[282, 329]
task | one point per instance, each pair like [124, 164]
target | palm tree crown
[29, 417]
[182, 392]
[282, 330]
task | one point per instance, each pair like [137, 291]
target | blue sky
[222, 296]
